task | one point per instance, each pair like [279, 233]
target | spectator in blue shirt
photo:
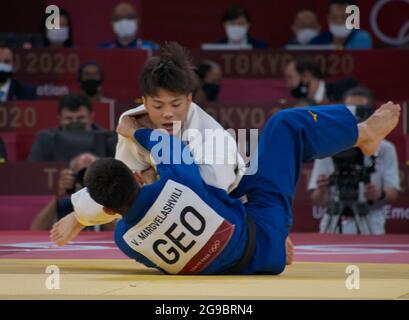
[125, 27]
[236, 22]
[11, 88]
[58, 38]
[338, 35]
[305, 28]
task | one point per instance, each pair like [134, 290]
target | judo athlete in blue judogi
[180, 225]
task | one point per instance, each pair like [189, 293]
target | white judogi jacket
[214, 150]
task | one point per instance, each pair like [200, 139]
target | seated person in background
[10, 88]
[125, 27]
[3, 152]
[305, 28]
[58, 38]
[236, 23]
[305, 80]
[210, 76]
[338, 35]
[70, 181]
[90, 78]
[75, 116]
[383, 188]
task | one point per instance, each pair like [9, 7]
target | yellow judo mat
[125, 279]
[93, 268]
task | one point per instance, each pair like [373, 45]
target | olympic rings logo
[215, 247]
[403, 35]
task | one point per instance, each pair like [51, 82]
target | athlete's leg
[289, 138]
[296, 135]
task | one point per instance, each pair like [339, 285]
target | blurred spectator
[58, 38]
[305, 28]
[70, 180]
[76, 133]
[210, 76]
[90, 78]
[3, 152]
[305, 80]
[10, 88]
[125, 27]
[384, 183]
[360, 96]
[236, 23]
[338, 35]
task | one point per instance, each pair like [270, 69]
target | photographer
[70, 180]
[383, 187]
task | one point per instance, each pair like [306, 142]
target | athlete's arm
[167, 151]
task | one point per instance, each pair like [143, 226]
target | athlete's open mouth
[168, 126]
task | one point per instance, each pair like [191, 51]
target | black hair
[340, 2]
[74, 101]
[361, 92]
[43, 29]
[111, 184]
[204, 67]
[234, 12]
[303, 64]
[90, 63]
[172, 70]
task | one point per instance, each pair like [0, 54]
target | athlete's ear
[189, 98]
[108, 211]
[140, 180]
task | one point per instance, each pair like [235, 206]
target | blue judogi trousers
[289, 138]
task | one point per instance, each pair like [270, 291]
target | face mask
[211, 91]
[125, 27]
[75, 126]
[361, 112]
[58, 35]
[6, 71]
[90, 86]
[339, 30]
[300, 91]
[306, 35]
[236, 33]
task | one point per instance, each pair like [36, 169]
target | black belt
[249, 249]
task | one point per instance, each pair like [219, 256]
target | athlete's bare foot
[377, 127]
[65, 230]
[289, 248]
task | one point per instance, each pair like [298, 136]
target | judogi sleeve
[169, 153]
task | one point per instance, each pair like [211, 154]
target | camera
[361, 112]
[350, 170]
[78, 179]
